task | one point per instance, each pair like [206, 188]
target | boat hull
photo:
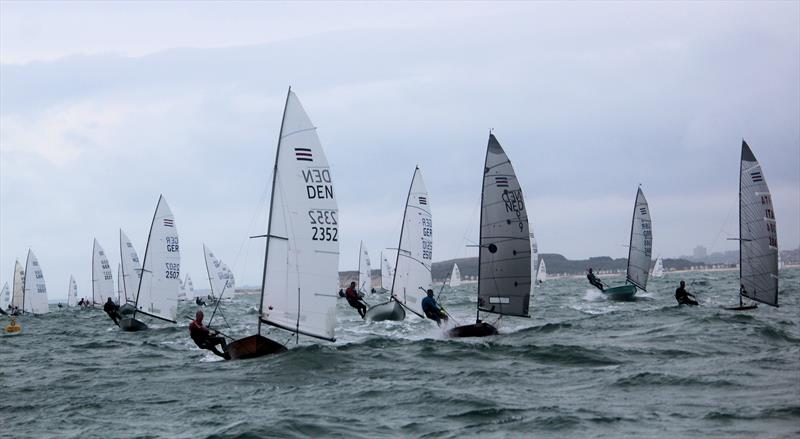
[126, 309]
[130, 324]
[391, 310]
[481, 329]
[254, 346]
[622, 292]
[741, 308]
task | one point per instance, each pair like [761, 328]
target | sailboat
[219, 276]
[182, 290]
[364, 270]
[504, 257]
[658, 268]
[18, 293]
[72, 293]
[541, 273]
[639, 252]
[758, 236]
[188, 285]
[5, 297]
[102, 278]
[412, 268]
[301, 258]
[157, 291]
[455, 276]
[34, 298]
[387, 273]
[131, 273]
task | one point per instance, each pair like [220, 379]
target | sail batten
[35, 292]
[758, 243]
[505, 250]
[641, 243]
[301, 270]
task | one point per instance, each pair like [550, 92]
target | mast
[122, 264]
[271, 205]
[400, 241]
[94, 281]
[480, 230]
[144, 260]
[25, 279]
[360, 255]
[630, 241]
[741, 166]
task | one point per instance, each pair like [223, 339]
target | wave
[659, 379]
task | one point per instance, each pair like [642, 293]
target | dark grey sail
[504, 282]
[758, 236]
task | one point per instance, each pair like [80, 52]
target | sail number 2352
[324, 225]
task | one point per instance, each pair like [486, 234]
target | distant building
[700, 253]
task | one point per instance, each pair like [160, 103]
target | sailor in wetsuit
[432, 309]
[594, 280]
[355, 300]
[204, 338]
[683, 297]
[112, 310]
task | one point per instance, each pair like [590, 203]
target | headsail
[5, 297]
[658, 268]
[35, 300]
[641, 245]
[102, 278]
[18, 294]
[72, 293]
[157, 294]
[505, 250]
[412, 271]
[131, 268]
[455, 276]
[302, 252]
[364, 270]
[758, 235]
[219, 276]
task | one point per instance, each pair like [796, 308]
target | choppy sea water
[581, 367]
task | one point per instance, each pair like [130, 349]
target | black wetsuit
[683, 297]
[595, 281]
[113, 311]
[204, 340]
[432, 310]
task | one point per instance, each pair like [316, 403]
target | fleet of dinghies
[301, 254]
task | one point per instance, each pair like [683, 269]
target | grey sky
[104, 106]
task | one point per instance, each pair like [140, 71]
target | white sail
[102, 278]
[455, 276]
[181, 290]
[504, 277]
[131, 267]
[641, 245]
[72, 293]
[157, 294]
[302, 255]
[541, 273]
[412, 269]
[18, 293]
[5, 297]
[387, 273]
[189, 287]
[658, 268]
[35, 299]
[758, 234]
[219, 276]
[534, 260]
[364, 270]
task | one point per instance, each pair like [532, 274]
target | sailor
[683, 297]
[355, 300]
[432, 309]
[80, 303]
[594, 280]
[112, 310]
[199, 301]
[204, 338]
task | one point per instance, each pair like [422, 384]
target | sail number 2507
[324, 225]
